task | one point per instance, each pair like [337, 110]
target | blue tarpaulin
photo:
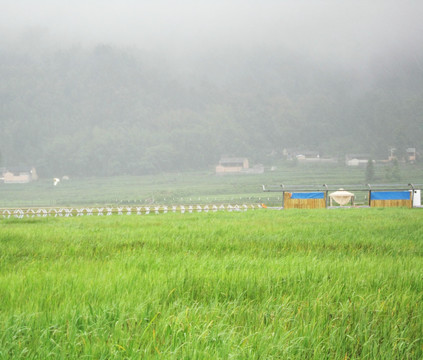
[308, 195]
[390, 195]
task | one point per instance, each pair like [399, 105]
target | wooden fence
[391, 199]
[290, 201]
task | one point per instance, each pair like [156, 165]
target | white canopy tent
[341, 196]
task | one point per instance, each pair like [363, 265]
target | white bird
[56, 181]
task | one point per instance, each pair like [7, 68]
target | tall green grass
[342, 284]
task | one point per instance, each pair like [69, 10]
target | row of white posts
[128, 210]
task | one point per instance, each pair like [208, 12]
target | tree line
[105, 110]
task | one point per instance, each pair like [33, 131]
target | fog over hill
[133, 87]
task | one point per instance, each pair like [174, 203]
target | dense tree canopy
[107, 110]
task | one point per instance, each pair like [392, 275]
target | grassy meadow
[191, 188]
[263, 284]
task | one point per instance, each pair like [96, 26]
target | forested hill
[106, 110]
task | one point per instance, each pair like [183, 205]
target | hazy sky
[333, 30]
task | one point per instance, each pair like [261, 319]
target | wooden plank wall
[303, 203]
[391, 203]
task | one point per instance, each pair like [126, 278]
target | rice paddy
[299, 284]
[188, 188]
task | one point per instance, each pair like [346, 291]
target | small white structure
[308, 156]
[417, 198]
[357, 159]
[341, 197]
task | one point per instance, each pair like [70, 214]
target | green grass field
[189, 188]
[318, 284]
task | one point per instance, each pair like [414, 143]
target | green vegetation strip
[306, 284]
[190, 188]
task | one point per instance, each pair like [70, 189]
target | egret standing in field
[56, 181]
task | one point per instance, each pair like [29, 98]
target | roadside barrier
[119, 210]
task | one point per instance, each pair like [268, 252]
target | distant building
[232, 165]
[237, 166]
[411, 154]
[308, 155]
[19, 175]
[392, 155]
[357, 159]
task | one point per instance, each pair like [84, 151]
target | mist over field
[135, 87]
[94, 93]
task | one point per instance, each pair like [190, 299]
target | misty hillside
[107, 110]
